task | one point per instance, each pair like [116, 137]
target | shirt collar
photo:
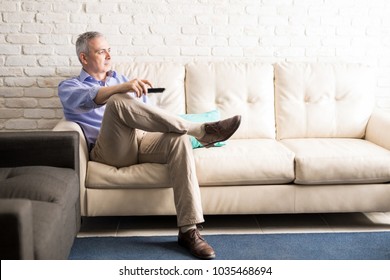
[85, 76]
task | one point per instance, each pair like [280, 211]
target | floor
[238, 224]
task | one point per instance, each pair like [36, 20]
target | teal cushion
[211, 116]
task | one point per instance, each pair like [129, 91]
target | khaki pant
[133, 132]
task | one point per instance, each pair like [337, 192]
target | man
[122, 129]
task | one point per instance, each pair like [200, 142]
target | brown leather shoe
[193, 241]
[219, 131]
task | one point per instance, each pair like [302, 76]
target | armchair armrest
[49, 148]
[378, 128]
[16, 229]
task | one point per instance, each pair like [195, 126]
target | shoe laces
[214, 127]
[195, 234]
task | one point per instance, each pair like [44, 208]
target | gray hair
[83, 40]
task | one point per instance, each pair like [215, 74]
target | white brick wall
[37, 40]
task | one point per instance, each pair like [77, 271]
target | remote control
[155, 90]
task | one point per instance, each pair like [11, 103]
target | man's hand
[139, 87]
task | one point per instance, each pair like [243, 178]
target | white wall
[37, 41]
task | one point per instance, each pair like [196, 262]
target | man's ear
[83, 58]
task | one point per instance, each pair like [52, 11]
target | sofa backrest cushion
[234, 88]
[161, 74]
[323, 100]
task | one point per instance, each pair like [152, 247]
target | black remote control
[155, 90]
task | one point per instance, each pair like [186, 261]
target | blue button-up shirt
[77, 96]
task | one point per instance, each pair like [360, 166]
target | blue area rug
[300, 246]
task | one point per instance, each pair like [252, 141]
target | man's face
[98, 60]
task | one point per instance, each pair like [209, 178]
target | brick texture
[37, 41]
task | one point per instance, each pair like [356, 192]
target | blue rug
[300, 246]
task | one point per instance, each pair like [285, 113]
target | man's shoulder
[76, 79]
[70, 81]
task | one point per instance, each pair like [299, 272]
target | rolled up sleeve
[77, 96]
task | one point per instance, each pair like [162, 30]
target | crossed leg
[133, 132]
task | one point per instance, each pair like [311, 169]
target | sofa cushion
[40, 183]
[323, 100]
[245, 162]
[139, 176]
[339, 161]
[167, 75]
[261, 161]
[234, 88]
[210, 116]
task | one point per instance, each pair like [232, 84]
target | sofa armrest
[48, 148]
[16, 229]
[378, 128]
[65, 125]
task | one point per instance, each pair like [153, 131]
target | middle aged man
[122, 129]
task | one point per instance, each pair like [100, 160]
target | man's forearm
[105, 93]
[139, 87]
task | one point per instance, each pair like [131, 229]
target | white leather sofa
[310, 141]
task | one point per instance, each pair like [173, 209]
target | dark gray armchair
[39, 194]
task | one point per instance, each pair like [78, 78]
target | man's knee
[182, 140]
[117, 99]
[120, 102]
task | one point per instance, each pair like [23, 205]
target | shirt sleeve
[77, 97]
